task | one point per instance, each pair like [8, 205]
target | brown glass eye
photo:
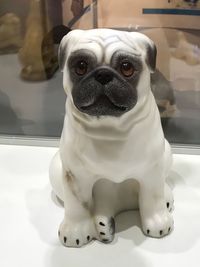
[81, 68]
[127, 69]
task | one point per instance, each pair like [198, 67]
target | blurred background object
[164, 94]
[77, 7]
[37, 108]
[193, 3]
[10, 33]
[186, 51]
[37, 54]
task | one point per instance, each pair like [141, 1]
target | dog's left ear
[147, 46]
[151, 53]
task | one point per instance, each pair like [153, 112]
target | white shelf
[29, 219]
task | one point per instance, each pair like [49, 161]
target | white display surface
[29, 219]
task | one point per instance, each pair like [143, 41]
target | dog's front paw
[76, 234]
[105, 228]
[158, 225]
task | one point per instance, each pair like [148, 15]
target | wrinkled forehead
[105, 45]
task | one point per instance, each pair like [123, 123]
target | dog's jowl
[113, 155]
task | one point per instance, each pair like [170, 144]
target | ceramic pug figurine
[113, 155]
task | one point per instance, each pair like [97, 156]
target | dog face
[106, 72]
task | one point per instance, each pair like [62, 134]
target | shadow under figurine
[113, 155]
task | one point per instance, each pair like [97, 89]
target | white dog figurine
[113, 155]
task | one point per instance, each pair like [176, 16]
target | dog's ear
[67, 41]
[151, 53]
[148, 47]
[62, 52]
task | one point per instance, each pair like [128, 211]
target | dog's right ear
[151, 53]
[68, 41]
[148, 46]
[62, 52]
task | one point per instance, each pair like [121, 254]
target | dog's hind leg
[169, 198]
[104, 195]
[109, 200]
[112, 198]
[55, 176]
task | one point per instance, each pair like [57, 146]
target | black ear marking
[62, 51]
[151, 56]
[62, 55]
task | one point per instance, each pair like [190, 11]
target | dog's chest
[115, 160]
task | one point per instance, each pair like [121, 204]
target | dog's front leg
[77, 227]
[156, 219]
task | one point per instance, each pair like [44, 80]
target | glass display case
[32, 109]
[32, 99]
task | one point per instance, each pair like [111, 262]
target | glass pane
[174, 25]
[32, 99]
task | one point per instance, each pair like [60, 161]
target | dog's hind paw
[169, 198]
[105, 228]
[170, 205]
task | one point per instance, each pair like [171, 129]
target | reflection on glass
[37, 54]
[32, 98]
[10, 33]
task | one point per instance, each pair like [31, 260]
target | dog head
[106, 72]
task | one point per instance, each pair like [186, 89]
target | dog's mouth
[103, 106]
[94, 97]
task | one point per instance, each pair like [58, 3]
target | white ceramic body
[108, 164]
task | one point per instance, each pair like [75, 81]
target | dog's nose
[104, 76]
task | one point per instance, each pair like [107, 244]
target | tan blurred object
[165, 108]
[129, 14]
[186, 51]
[10, 34]
[77, 7]
[185, 4]
[37, 54]
[74, 8]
